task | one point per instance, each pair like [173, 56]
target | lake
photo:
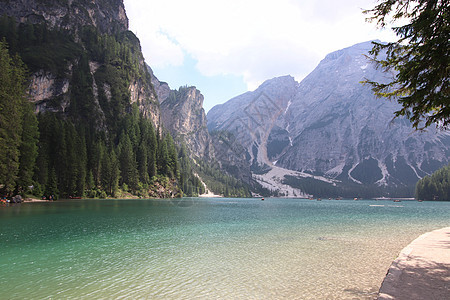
[206, 248]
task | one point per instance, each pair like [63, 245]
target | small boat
[397, 200]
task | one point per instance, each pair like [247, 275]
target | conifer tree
[28, 147]
[12, 99]
[163, 158]
[420, 58]
[127, 161]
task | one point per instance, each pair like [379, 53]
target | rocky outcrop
[331, 125]
[107, 15]
[45, 86]
[183, 114]
[162, 89]
[51, 87]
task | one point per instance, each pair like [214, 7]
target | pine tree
[163, 158]
[420, 58]
[28, 147]
[127, 161]
[12, 99]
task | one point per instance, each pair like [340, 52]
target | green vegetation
[18, 125]
[420, 57]
[88, 150]
[321, 189]
[222, 183]
[85, 163]
[435, 187]
[39, 47]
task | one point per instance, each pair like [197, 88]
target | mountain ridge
[331, 125]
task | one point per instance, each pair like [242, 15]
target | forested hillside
[435, 187]
[92, 140]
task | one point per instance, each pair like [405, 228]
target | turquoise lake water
[195, 248]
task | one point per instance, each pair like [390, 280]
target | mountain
[105, 121]
[108, 16]
[97, 109]
[183, 115]
[331, 132]
[60, 41]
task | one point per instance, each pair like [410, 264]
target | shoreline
[422, 269]
[35, 200]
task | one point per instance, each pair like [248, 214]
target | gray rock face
[106, 15]
[52, 92]
[332, 125]
[253, 116]
[183, 114]
[162, 89]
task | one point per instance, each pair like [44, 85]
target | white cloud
[256, 39]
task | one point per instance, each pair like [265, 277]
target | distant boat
[262, 199]
[397, 200]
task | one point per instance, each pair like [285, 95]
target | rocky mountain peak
[330, 125]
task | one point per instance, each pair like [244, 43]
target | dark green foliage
[28, 148]
[322, 189]
[435, 187]
[367, 171]
[222, 183]
[90, 149]
[189, 181]
[39, 47]
[82, 105]
[127, 162]
[420, 57]
[110, 173]
[18, 128]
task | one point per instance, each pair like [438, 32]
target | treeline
[222, 183]
[74, 161]
[435, 187]
[321, 189]
[18, 126]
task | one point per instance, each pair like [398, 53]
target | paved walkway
[422, 270]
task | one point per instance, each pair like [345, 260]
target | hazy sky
[227, 47]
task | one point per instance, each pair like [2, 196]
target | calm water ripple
[206, 248]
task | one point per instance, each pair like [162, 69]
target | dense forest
[321, 189]
[84, 151]
[435, 187]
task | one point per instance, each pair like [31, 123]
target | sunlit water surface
[206, 248]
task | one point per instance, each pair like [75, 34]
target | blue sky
[228, 47]
[218, 88]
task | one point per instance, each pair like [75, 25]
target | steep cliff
[67, 41]
[182, 112]
[99, 109]
[107, 15]
[332, 127]
[183, 115]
